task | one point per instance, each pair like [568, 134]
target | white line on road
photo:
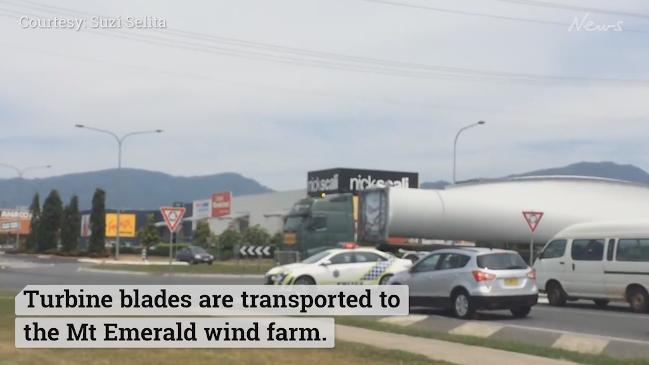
[608, 338]
[601, 313]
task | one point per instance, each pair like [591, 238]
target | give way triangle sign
[533, 219]
[172, 216]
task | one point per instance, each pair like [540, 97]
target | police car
[339, 266]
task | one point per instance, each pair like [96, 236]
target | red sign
[533, 219]
[172, 216]
[221, 204]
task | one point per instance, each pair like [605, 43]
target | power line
[487, 15]
[327, 60]
[551, 5]
[469, 13]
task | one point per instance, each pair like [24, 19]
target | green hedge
[162, 249]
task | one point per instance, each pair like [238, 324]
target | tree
[97, 241]
[277, 239]
[227, 240]
[256, 236]
[50, 222]
[148, 234]
[202, 235]
[35, 210]
[71, 226]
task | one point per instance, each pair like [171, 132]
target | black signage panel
[343, 180]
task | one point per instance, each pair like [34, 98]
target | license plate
[511, 281]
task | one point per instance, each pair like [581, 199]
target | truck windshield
[501, 261]
[293, 223]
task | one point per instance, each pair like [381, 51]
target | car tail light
[483, 276]
[532, 274]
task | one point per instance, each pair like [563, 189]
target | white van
[603, 261]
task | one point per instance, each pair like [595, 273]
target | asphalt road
[583, 317]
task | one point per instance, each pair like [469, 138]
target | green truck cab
[318, 224]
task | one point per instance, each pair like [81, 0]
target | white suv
[468, 279]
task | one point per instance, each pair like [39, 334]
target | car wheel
[210, 262]
[521, 312]
[462, 306]
[556, 296]
[638, 300]
[384, 280]
[601, 302]
[304, 280]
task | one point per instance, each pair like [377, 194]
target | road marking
[476, 329]
[606, 338]
[589, 345]
[600, 313]
[404, 320]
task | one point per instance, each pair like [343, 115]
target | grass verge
[256, 267]
[343, 353]
[491, 343]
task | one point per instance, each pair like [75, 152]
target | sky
[228, 100]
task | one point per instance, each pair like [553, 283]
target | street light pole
[455, 143]
[120, 142]
[21, 174]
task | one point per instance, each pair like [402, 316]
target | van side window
[554, 249]
[610, 249]
[587, 250]
[636, 250]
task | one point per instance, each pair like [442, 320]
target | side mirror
[326, 263]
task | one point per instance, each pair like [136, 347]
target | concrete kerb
[189, 275]
[142, 263]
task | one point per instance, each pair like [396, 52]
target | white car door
[585, 276]
[372, 266]
[552, 264]
[343, 269]
[421, 276]
[447, 273]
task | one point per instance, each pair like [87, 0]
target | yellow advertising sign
[126, 223]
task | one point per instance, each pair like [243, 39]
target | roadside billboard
[221, 204]
[126, 225]
[12, 220]
[9, 226]
[202, 209]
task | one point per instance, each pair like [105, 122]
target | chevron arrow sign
[256, 251]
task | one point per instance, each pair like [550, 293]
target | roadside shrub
[162, 249]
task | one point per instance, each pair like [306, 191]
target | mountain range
[604, 169]
[142, 189]
[138, 189]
